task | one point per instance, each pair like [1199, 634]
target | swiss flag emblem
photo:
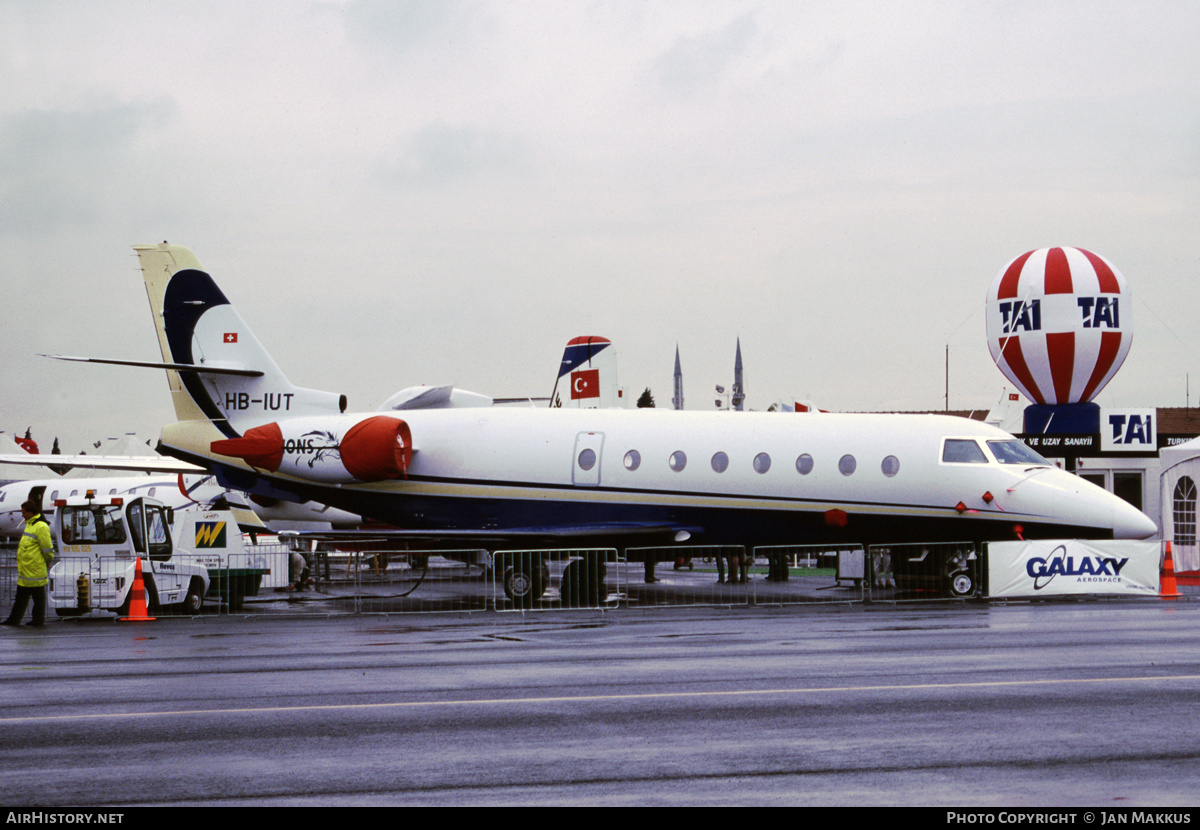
[231, 337]
[585, 384]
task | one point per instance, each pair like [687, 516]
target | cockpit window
[962, 451]
[1013, 451]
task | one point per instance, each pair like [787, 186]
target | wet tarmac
[1018, 704]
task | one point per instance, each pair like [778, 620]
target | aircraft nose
[10, 522]
[1131, 523]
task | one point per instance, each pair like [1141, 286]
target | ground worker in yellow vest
[33, 559]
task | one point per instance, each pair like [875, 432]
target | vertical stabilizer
[216, 368]
[587, 376]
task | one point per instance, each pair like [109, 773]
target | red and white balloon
[1058, 324]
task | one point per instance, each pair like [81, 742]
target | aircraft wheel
[583, 584]
[525, 582]
[961, 584]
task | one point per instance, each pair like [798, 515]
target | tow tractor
[185, 556]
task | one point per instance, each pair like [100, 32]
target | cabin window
[890, 466]
[633, 460]
[804, 464]
[762, 463]
[720, 462]
[847, 465]
[587, 459]
[678, 460]
[1013, 451]
[962, 451]
[1183, 511]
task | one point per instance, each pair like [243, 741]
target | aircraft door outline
[585, 461]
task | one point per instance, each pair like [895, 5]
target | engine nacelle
[337, 449]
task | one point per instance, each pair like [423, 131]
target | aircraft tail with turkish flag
[587, 377]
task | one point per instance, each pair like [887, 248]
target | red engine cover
[378, 448]
[260, 447]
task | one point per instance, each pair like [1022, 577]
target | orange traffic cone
[137, 597]
[1166, 584]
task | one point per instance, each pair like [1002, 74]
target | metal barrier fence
[690, 580]
[924, 571]
[268, 578]
[544, 579]
[812, 573]
[8, 575]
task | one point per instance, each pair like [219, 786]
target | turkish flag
[585, 384]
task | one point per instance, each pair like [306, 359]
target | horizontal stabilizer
[434, 397]
[178, 367]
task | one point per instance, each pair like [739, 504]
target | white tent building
[1178, 476]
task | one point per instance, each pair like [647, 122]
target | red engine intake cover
[378, 448]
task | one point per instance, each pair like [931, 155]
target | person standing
[34, 553]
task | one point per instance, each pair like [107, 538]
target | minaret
[739, 389]
[677, 401]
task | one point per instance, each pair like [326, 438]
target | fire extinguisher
[83, 591]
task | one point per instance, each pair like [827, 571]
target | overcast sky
[395, 193]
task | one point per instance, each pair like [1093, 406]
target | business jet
[465, 472]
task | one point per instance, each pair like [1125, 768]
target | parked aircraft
[175, 491]
[470, 473]
[178, 490]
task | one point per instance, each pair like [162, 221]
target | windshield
[962, 451]
[1013, 451]
[96, 523]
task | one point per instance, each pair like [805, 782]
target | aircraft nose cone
[1131, 523]
[10, 522]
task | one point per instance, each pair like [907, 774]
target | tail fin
[216, 368]
[589, 365]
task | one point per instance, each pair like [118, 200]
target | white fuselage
[740, 477]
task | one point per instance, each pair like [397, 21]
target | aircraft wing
[623, 533]
[135, 463]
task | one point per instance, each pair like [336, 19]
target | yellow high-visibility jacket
[34, 553]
